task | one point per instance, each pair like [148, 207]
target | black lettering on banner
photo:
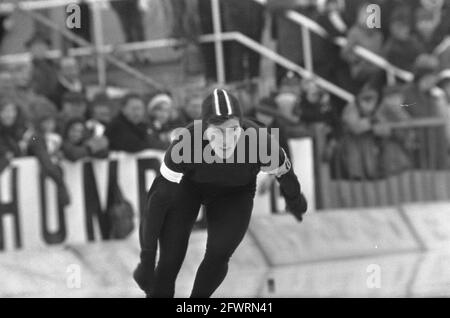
[59, 235]
[11, 208]
[144, 165]
[92, 202]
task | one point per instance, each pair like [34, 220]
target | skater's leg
[151, 222]
[173, 243]
[227, 220]
[163, 197]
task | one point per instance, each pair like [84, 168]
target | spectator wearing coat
[129, 131]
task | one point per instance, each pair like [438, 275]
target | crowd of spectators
[45, 110]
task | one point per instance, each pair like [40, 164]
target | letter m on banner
[9, 210]
[101, 192]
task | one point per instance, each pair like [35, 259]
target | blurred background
[91, 90]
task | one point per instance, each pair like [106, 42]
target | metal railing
[308, 25]
[102, 51]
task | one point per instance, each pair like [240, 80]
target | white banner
[30, 216]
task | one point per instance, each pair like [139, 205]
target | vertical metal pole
[307, 53]
[98, 38]
[217, 25]
[391, 80]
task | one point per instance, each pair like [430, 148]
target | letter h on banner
[9, 209]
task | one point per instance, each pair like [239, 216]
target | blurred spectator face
[194, 107]
[427, 82]
[368, 102]
[313, 93]
[74, 109]
[22, 75]
[8, 115]
[393, 99]
[286, 103]
[425, 24]
[134, 110]
[69, 68]
[400, 30]
[102, 113]
[76, 132]
[48, 125]
[161, 112]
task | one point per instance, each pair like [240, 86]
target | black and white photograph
[243, 150]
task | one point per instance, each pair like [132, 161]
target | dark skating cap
[220, 105]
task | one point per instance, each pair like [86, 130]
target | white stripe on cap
[169, 174]
[227, 99]
[216, 103]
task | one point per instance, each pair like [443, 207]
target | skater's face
[224, 137]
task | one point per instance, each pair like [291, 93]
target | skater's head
[219, 107]
[222, 115]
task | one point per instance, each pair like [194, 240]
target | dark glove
[297, 207]
[291, 191]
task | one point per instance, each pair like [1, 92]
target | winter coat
[123, 135]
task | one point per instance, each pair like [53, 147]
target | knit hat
[220, 105]
[157, 100]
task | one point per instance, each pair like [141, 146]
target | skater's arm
[288, 181]
[174, 165]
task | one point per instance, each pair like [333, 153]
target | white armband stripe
[284, 168]
[169, 174]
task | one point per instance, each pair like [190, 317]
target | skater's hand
[297, 207]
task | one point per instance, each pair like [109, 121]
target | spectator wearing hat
[402, 49]
[128, 131]
[74, 105]
[45, 144]
[44, 77]
[163, 117]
